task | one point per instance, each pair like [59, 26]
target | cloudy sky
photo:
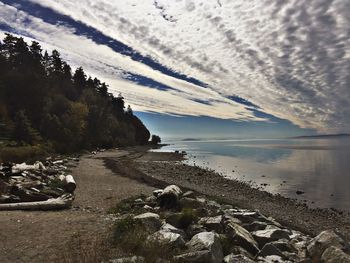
[206, 67]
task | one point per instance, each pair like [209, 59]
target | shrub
[186, 218]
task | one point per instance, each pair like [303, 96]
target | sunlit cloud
[290, 58]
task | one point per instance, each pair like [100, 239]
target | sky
[206, 68]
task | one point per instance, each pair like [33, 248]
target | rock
[272, 259]
[189, 194]
[255, 226]
[237, 259]
[283, 245]
[194, 229]
[133, 259]
[207, 241]
[237, 250]
[164, 237]
[203, 256]
[212, 223]
[151, 221]
[240, 236]
[169, 228]
[157, 192]
[270, 250]
[321, 242]
[169, 197]
[270, 234]
[335, 255]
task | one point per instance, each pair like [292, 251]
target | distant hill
[324, 136]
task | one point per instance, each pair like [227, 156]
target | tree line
[43, 101]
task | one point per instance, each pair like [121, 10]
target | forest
[42, 102]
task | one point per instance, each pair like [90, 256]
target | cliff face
[42, 101]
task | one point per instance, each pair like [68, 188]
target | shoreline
[162, 168]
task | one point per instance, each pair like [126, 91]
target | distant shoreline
[323, 136]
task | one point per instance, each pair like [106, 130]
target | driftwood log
[69, 182]
[61, 202]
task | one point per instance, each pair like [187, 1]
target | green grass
[19, 154]
[127, 206]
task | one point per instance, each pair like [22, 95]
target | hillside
[43, 103]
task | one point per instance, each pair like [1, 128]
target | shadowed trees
[42, 101]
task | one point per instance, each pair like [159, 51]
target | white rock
[167, 238]
[207, 241]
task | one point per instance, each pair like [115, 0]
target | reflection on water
[318, 167]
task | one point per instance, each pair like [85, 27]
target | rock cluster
[39, 182]
[203, 231]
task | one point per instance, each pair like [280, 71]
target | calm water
[318, 167]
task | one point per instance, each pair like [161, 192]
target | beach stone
[207, 241]
[237, 250]
[213, 223]
[170, 228]
[150, 220]
[194, 229]
[284, 246]
[240, 236]
[237, 259]
[255, 226]
[269, 235]
[321, 242]
[335, 255]
[203, 256]
[270, 250]
[170, 196]
[157, 192]
[134, 259]
[163, 237]
[189, 194]
[272, 259]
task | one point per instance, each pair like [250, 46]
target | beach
[108, 177]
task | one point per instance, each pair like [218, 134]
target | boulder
[151, 221]
[240, 236]
[270, 234]
[166, 238]
[169, 197]
[212, 223]
[237, 259]
[203, 256]
[157, 192]
[207, 241]
[170, 228]
[189, 194]
[237, 250]
[255, 226]
[321, 242]
[270, 250]
[195, 229]
[335, 255]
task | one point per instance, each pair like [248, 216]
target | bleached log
[62, 202]
[69, 182]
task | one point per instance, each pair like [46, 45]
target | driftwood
[69, 182]
[61, 202]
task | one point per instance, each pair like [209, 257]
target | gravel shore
[160, 169]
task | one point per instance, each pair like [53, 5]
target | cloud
[291, 58]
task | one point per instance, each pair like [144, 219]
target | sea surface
[320, 168]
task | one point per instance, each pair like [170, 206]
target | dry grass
[87, 250]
